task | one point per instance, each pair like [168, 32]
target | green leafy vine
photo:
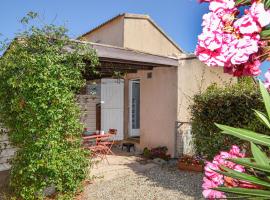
[40, 73]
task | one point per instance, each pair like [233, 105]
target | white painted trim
[132, 132]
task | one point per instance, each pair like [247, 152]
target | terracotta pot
[189, 167]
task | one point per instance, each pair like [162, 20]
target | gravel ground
[126, 178]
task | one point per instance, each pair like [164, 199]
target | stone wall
[184, 140]
[6, 150]
[88, 104]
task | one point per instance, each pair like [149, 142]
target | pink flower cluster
[231, 42]
[213, 179]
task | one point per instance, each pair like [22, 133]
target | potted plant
[191, 163]
[158, 152]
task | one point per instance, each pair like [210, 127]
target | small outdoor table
[95, 136]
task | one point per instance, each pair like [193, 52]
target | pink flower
[252, 68]
[208, 192]
[235, 150]
[267, 79]
[211, 40]
[246, 25]
[228, 18]
[213, 48]
[211, 58]
[230, 42]
[239, 168]
[241, 49]
[211, 22]
[208, 183]
[213, 179]
[220, 159]
[213, 194]
[222, 6]
[211, 174]
[260, 14]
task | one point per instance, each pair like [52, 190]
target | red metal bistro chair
[100, 145]
[107, 141]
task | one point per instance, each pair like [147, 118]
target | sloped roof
[134, 16]
[129, 56]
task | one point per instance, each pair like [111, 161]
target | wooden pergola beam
[123, 66]
[110, 69]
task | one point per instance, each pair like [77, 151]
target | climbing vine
[40, 73]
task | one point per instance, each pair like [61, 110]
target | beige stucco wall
[194, 77]
[111, 33]
[142, 35]
[134, 32]
[158, 98]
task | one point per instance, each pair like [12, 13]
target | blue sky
[180, 19]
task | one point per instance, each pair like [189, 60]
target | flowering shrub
[240, 43]
[214, 179]
[252, 181]
[235, 41]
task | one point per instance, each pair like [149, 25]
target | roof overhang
[114, 60]
[122, 60]
[128, 56]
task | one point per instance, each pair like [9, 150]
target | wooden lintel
[124, 66]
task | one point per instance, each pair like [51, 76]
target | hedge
[230, 105]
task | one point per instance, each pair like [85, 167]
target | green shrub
[39, 77]
[232, 106]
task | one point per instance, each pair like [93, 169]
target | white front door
[112, 106]
[134, 108]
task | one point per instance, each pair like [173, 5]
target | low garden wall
[6, 150]
[184, 140]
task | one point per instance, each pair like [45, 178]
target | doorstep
[135, 140]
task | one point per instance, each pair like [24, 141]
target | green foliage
[258, 166]
[39, 75]
[232, 106]
[243, 2]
